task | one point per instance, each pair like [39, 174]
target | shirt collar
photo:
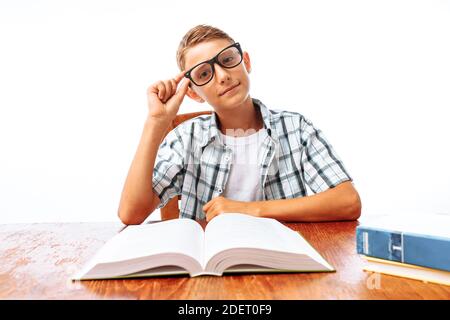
[213, 131]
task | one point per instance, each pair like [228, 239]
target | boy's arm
[339, 203]
[138, 199]
[335, 204]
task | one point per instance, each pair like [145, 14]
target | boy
[243, 158]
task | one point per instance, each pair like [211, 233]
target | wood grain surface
[38, 259]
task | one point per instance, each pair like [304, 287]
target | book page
[406, 270]
[173, 236]
[234, 230]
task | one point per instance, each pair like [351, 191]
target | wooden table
[36, 261]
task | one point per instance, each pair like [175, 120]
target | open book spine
[412, 248]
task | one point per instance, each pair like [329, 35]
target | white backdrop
[373, 75]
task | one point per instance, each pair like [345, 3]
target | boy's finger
[182, 90]
[169, 87]
[206, 206]
[174, 86]
[210, 215]
[161, 90]
[179, 76]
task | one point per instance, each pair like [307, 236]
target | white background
[373, 75]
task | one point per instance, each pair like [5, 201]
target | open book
[230, 243]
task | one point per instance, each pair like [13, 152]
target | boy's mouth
[229, 89]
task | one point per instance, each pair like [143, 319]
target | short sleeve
[168, 173]
[322, 167]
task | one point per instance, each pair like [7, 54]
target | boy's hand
[221, 205]
[164, 100]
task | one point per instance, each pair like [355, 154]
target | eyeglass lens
[228, 58]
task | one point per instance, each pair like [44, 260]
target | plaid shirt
[193, 162]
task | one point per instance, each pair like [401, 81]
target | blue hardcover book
[418, 240]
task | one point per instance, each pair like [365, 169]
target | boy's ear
[193, 95]
[247, 63]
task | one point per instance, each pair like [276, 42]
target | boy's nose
[222, 74]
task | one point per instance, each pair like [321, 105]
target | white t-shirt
[244, 181]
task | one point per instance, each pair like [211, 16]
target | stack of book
[415, 247]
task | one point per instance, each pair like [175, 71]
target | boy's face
[223, 79]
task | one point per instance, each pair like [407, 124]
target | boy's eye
[227, 60]
[204, 74]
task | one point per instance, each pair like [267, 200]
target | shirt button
[227, 158]
[219, 190]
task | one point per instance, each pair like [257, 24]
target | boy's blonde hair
[196, 35]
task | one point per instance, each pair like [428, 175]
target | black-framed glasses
[203, 72]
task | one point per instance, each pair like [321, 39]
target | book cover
[417, 240]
